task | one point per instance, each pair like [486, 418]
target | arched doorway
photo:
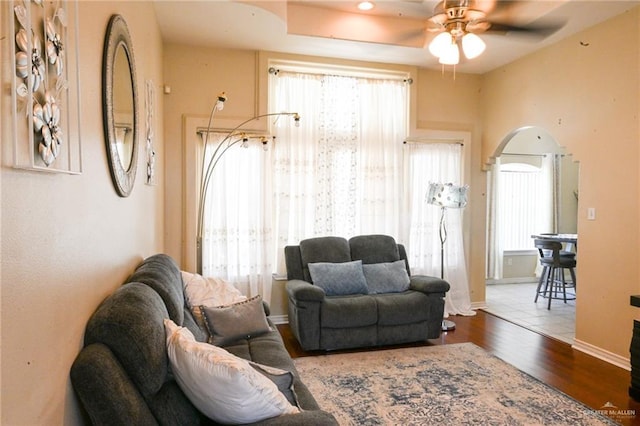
[532, 188]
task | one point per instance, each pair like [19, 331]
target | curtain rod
[344, 72]
[431, 141]
[203, 130]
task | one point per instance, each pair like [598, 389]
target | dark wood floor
[583, 377]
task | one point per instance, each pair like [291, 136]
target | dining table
[562, 238]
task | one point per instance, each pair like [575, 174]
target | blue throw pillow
[338, 279]
[391, 277]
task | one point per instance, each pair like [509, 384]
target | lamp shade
[472, 46]
[447, 195]
[451, 55]
[440, 43]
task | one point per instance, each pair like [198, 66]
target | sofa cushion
[402, 308]
[389, 277]
[374, 249]
[348, 312]
[129, 323]
[339, 279]
[323, 249]
[225, 388]
[161, 273]
[267, 349]
[236, 321]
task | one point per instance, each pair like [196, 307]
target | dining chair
[552, 280]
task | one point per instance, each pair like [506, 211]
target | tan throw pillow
[236, 321]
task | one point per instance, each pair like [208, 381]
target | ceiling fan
[459, 22]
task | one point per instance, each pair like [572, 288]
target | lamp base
[448, 325]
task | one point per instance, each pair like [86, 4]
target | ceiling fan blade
[478, 26]
[486, 6]
[437, 19]
[539, 30]
[411, 38]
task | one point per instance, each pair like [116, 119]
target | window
[522, 196]
[340, 173]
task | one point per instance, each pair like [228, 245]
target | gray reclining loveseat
[340, 313]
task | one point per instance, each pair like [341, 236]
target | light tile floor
[514, 303]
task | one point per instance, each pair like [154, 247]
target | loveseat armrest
[300, 290]
[428, 285]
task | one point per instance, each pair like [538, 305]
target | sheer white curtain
[547, 212]
[548, 194]
[237, 230]
[383, 125]
[339, 173]
[496, 250]
[436, 162]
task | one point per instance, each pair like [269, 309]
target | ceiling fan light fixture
[451, 55]
[440, 44]
[472, 45]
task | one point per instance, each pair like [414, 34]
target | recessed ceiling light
[365, 5]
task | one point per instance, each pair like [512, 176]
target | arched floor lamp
[446, 195]
[233, 137]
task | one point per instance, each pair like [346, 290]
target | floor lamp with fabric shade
[446, 195]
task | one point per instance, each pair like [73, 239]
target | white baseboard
[279, 319]
[610, 357]
[478, 305]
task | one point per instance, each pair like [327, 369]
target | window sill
[528, 252]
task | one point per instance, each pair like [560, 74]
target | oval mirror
[120, 113]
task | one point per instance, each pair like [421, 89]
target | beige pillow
[225, 388]
[236, 321]
[209, 291]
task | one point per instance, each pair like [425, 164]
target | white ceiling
[264, 25]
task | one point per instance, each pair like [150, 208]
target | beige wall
[68, 241]
[586, 97]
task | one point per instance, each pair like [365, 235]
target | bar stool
[552, 280]
[565, 251]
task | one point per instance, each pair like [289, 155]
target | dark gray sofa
[122, 374]
[321, 322]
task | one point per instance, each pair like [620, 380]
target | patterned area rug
[457, 384]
